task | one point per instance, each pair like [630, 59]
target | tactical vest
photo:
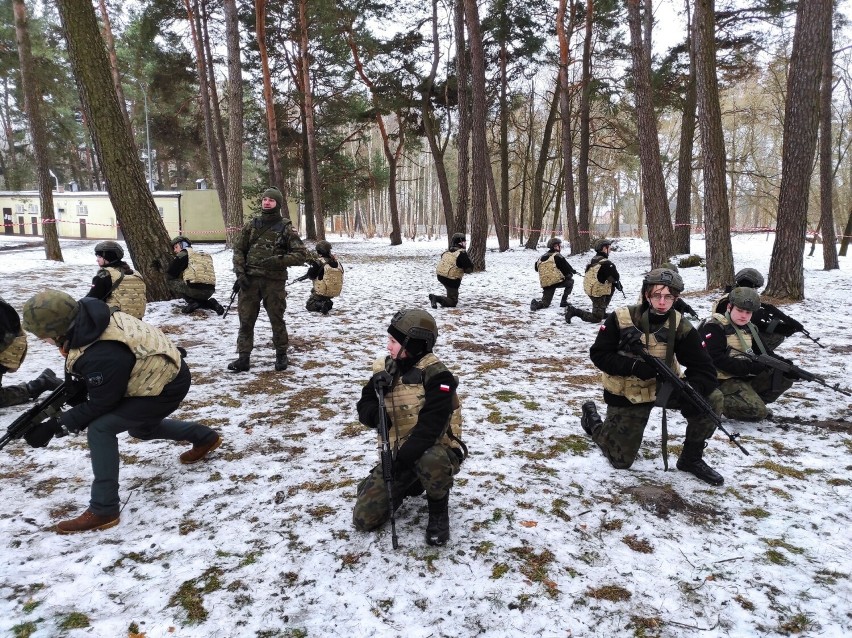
[130, 295]
[717, 302]
[447, 265]
[199, 269]
[407, 396]
[741, 341]
[332, 279]
[157, 358]
[548, 273]
[13, 356]
[591, 285]
[632, 388]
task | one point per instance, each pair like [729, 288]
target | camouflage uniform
[452, 267]
[554, 272]
[598, 283]
[264, 249]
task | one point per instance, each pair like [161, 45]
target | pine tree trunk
[577, 240]
[537, 217]
[271, 121]
[38, 132]
[137, 214]
[683, 216]
[463, 83]
[801, 122]
[308, 99]
[826, 174]
[584, 212]
[234, 211]
[113, 58]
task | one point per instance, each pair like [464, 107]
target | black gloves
[243, 282]
[688, 310]
[755, 367]
[618, 286]
[41, 434]
[643, 370]
[383, 379]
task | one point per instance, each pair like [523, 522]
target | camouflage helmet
[180, 239]
[49, 314]
[749, 277]
[663, 277]
[744, 298]
[554, 241]
[111, 250]
[414, 323]
[458, 238]
[274, 193]
[324, 248]
[600, 243]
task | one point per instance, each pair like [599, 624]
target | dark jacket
[462, 261]
[317, 268]
[178, 265]
[717, 347]
[608, 271]
[767, 319]
[561, 263]
[102, 282]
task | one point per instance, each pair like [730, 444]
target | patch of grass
[646, 627]
[190, 595]
[524, 602]
[319, 486]
[30, 606]
[490, 366]
[321, 511]
[755, 512]
[736, 494]
[837, 482]
[798, 623]
[558, 508]
[777, 491]
[494, 417]
[507, 395]
[531, 405]
[47, 486]
[74, 620]
[782, 470]
[613, 593]
[353, 429]
[483, 548]
[499, 570]
[187, 526]
[24, 630]
[612, 525]
[776, 558]
[777, 542]
[745, 603]
[350, 559]
[827, 577]
[249, 559]
[640, 545]
[534, 566]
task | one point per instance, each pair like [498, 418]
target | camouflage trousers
[598, 312]
[317, 303]
[746, 399]
[187, 292]
[13, 394]
[450, 300]
[621, 434]
[274, 297]
[772, 341]
[548, 291]
[432, 472]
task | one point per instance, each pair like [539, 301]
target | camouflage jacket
[266, 246]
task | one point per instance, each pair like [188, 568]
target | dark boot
[690, 461]
[215, 306]
[47, 380]
[591, 420]
[326, 306]
[433, 302]
[570, 312]
[190, 307]
[535, 304]
[241, 363]
[438, 527]
[281, 361]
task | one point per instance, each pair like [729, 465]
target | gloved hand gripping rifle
[387, 459]
[780, 367]
[47, 408]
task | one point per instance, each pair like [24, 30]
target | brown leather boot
[87, 521]
[198, 452]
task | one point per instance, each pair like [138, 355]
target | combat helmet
[744, 298]
[554, 241]
[458, 238]
[324, 248]
[663, 277]
[183, 241]
[413, 323]
[600, 243]
[749, 277]
[109, 250]
[50, 314]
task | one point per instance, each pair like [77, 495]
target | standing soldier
[115, 282]
[133, 377]
[13, 350]
[554, 272]
[601, 277]
[746, 385]
[630, 384]
[264, 249]
[452, 266]
[772, 324]
[327, 275]
[191, 276]
[424, 426]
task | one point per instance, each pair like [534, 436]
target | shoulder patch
[95, 379]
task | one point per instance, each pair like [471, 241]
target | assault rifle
[780, 367]
[234, 293]
[297, 280]
[671, 383]
[41, 411]
[808, 335]
[387, 461]
[619, 287]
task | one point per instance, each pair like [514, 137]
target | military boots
[570, 312]
[215, 306]
[690, 461]
[438, 527]
[47, 380]
[535, 304]
[591, 420]
[191, 306]
[281, 361]
[241, 363]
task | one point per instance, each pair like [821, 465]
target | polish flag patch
[445, 387]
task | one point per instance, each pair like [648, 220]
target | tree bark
[584, 212]
[658, 219]
[717, 221]
[537, 196]
[308, 98]
[38, 131]
[801, 122]
[271, 123]
[826, 174]
[113, 58]
[233, 213]
[577, 240]
[683, 216]
[147, 240]
[462, 85]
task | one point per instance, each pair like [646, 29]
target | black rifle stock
[297, 280]
[671, 383]
[234, 294]
[779, 367]
[387, 461]
[41, 411]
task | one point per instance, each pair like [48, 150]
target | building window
[82, 210]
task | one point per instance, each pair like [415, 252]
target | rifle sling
[664, 391]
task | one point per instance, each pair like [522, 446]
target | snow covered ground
[547, 538]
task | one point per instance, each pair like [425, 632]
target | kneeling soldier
[192, 277]
[452, 266]
[116, 283]
[13, 350]
[327, 275]
[630, 384]
[424, 426]
[598, 283]
[554, 272]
